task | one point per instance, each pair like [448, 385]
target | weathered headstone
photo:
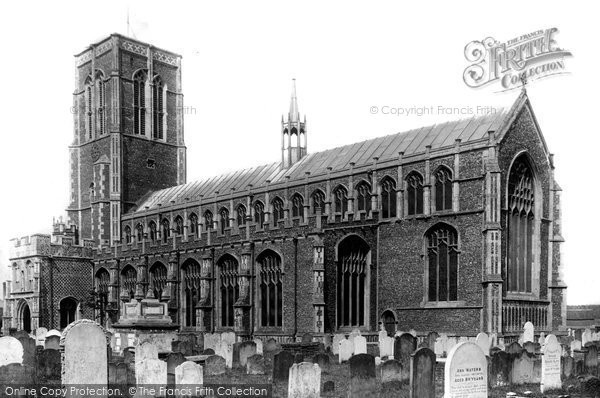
[52, 342]
[422, 374]
[346, 349]
[174, 359]
[29, 349]
[304, 380]
[255, 365]
[247, 349]
[208, 351]
[404, 346]
[551, 368]
[282, 362]
[211, 341]
[591, 359]
[530, 347]
[259, 346]
[499, 373]
[189, 373]
[465, 372]
[528, 332]
[335, 345]
[321, 359]
[271, 346]
[152, 372]
[228, 337]
[145, 350]
[225, 350]
[483, 341]
[11, 351]
[391, 371]
[362, 366]
[386, 347]
[307, 338]
[40, 336]
[567, 367]
[522, 369]
[360, 345]
[514, 348]
[85, 354]
[431, 339]
[586, 337]
[48, 365]
[215, 365]
[298, 357]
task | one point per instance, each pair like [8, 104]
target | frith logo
[528, 57]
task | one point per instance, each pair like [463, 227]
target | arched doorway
[388, 320]
[68, 311]
[26, 318]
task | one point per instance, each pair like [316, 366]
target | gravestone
[128, 355]
[208, 351]
[483, 341]
[211, 341]
[438, 347]
[450, 343]
[551, 368]
[40, 336]
[228, 337]
[145, 350]
[362, 366]
[335, 345]
[247, 349]
[152, 372]
[29, 349]
[52, 342]
[404, 346]
[391, 371]
[345, 351]
[215, 365]
[118, 374]
[298, 357]
[271, 346]
[19, 376]
[322, 360]
[386, 347]
[189, 373]
[514, 348]
[530, 347]
[528, 332]
[304, 380]
[522, 371]
[174, 359]
[329, 386]
[567, 367]
[360, 345]
[575, 346]
[259, 346]
[590, 359]
[586, 337]
[422, 374]
[499, 373]
[307, 338]
[225, 349]
[11, 351]
[48, 365]
[431, 339]
[85, 354]
[282, 362]
[255, 365]
[465, 372]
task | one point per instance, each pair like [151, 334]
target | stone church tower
[128, 133]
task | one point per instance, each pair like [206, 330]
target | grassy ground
[339, 374]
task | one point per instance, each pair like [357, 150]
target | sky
[347, 57]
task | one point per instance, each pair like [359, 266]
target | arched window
[229, 288]
[100, 103]
[178, 225]
[68, 309]
[443, 189]
[298, 207]
[270, 289]
[352, 281]
[139, 230]
[318, 201]
[139, 103]
[193, 223]
[152, 228]
[166, 230]
[128, 281]
[388, 198]
[259, 214]
[127, 233]
[92, 192]
[208, 220]
[277, 204]
[241, 215]
[158, 279]
[190, 278]
[89, 109]
[23, 280]
[224, 219]
[442, 263]
[521, 226]
[363, 197]
[340, 195]
[158, 110]
[102, 280]
[414, 193]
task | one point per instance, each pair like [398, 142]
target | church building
[450, 228]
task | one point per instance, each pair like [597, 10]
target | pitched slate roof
[361, 154]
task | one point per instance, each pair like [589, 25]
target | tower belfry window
[139, 103]
[158, 108]
[100, 112]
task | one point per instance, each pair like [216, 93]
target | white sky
[238, 60]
